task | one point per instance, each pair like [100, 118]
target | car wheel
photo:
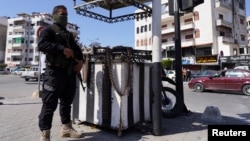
[246, 90]
[26, 79]
[198, 87]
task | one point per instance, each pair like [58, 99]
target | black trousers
[58, 87]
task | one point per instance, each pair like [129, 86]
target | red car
[237, 80]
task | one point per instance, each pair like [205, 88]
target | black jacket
[51, 45]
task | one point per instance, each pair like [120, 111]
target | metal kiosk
[118, 90]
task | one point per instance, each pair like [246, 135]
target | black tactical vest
[61, 37]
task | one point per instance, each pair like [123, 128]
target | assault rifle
[78, 74]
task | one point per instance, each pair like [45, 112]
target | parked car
[237, 80]
[203, 73]
[4, 71]
[32, 73]
[19, 71]
[242, 67]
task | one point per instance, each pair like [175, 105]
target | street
[19, 115]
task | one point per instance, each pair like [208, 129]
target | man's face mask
[61, 19]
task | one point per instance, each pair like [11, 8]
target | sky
[91, 30]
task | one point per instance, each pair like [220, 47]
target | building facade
[248, 30]
[22, 38]
[213, 29]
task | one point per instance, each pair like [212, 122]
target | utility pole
[178, 52]
[174, 9]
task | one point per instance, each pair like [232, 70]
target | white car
[170, 74]
[242, 67]
[31, 73]
[19, 71]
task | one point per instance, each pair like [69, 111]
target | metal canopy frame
[110, 5]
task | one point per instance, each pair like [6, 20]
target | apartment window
[220, 16]
[242, 21]
[142, 42]
[164, 26]
[142, 27]
[10, 33]
[204, 51]
[30, 59]
[149, 27]
[188, 20]
[241, 50]
[137, 18]
[189, 36]
[242, 4]
[137, 43]
[18, 40]
[137, 30]
[145, 28]
[164, 40]
[222, 33]
[197, 33]
[30, 50]
[196, 16]
[243, 38]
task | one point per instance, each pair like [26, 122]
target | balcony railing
[223, 5]
[220, 22]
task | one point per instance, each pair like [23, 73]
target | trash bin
[118, 89]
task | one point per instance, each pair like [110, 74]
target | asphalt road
[19, 115]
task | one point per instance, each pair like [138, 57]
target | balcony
[18, 45]
[187, 26]
[16, 53]
[223, 5]
[183, 26]
[187, 43]
[223, 23]
[226, 39]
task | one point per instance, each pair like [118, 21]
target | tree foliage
[3, 65]
[167, 63]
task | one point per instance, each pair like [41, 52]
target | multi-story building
[3, 31]
[248, 30]
[213, 29]
[22, 38]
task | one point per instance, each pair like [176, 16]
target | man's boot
[45, 135]
[68, 131]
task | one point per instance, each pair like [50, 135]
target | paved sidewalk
[19, 122]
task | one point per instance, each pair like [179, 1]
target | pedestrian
[64, 59]
[184, 74]
[188, 75]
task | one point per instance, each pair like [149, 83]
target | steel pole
[156, 69]
[178, 52]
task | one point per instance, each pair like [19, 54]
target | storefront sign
[207, 59]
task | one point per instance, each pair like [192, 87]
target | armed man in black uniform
[64, 60]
